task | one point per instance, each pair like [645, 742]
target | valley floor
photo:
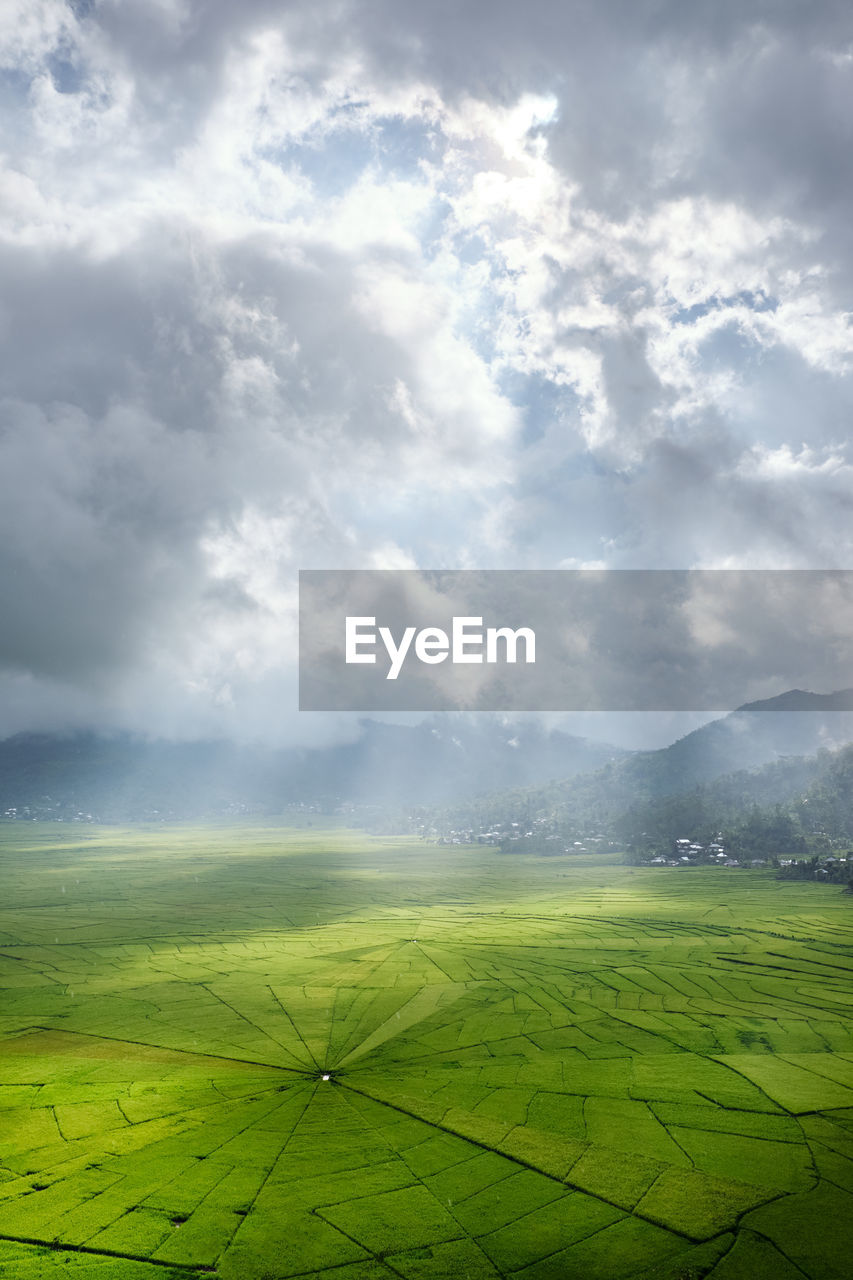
[259, 1053]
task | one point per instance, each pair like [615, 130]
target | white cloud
[502, 290]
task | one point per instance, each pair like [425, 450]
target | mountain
[777, 731]
[795, 723]
[795, 804]
[801, 700]
[125, 778]
[444, 763]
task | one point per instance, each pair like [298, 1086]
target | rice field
[266, 1053]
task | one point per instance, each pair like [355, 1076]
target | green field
[555, 1069]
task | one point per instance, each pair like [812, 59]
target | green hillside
[795, 805]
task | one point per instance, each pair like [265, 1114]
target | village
[538, 837]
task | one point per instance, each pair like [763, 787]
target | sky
[362, 284]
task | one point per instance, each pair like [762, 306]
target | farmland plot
[272, 1053]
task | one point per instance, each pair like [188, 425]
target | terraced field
[269, 1053]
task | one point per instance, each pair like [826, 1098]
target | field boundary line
[775, 1245]
[56, 1246]
[292, 1022]
[254, 1025]
[189, 1053]
[519, 1160]
[270, 1172]
[419, 1180]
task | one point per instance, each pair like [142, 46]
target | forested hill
[443, 761]
[778, 807]
[121, 778]
[761, 756]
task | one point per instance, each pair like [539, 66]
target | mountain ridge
[754, 736]
[441, 762]
[121, 777]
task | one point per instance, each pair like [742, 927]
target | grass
[537, 1067]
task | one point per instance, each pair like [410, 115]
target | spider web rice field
[543, 1068]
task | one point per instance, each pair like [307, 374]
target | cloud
[390, 285]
